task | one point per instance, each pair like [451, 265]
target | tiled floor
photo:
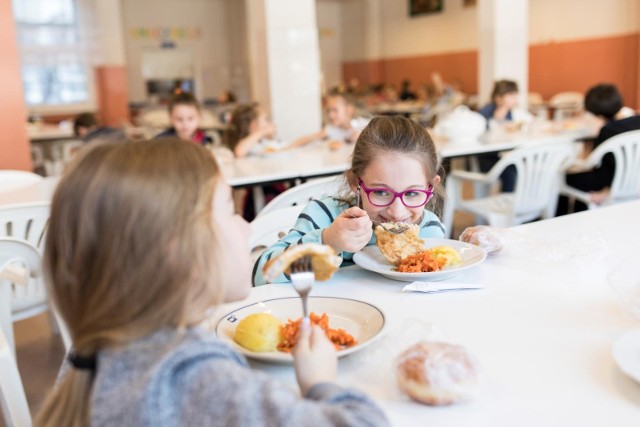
[40, 353]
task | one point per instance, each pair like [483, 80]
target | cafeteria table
[542, 329]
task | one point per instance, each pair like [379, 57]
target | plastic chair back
[27, 222]
[13, 179]
[269, 228]
[540, 168]
[301, 194]
[625, 148]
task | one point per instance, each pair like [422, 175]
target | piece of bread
[324, 261]
[437, 373]
[395, 247]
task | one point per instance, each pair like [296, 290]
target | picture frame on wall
[424, 7]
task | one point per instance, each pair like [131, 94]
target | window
[55, 72]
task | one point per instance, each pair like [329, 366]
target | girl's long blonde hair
[129, 251]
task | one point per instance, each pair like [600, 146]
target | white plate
[362, 320]
[626, 353]
[370, 258]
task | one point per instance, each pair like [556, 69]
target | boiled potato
[258, 332]
[447, 252]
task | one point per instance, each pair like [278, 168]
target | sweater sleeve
[431, 226]
[315, 217]
[222, 392]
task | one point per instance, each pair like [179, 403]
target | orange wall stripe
[553, 67]
[15, 151]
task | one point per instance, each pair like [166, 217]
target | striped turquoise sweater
[315, 217]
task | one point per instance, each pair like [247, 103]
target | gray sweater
[194, 379]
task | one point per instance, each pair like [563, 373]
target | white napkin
[431, 287]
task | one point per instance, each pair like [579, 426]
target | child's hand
[314, 358]
[350, 231]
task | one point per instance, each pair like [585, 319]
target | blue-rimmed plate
[360, 319]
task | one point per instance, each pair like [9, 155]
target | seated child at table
[249, 125]
[503, 110]
[394, 170]
[603, 101]
[343, 127]
[85, 127]
[142, 245]
[184, 113]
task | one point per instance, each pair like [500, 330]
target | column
[111, 72]
[503, 45]
[372, 20]
[14, 141]
[284, 63]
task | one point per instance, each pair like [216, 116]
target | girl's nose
[396, 210]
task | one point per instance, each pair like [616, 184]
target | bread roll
[395, 247]
[437, 373]
[324, 261]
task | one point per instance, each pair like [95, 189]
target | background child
[341, 127]
[392, 154]
[184, 113]
[141, 239]
[605, 102]
[502, 109]
[248, 126]
[85, 127]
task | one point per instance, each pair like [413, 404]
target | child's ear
[435, 181]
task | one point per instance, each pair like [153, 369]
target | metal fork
[302, 279]
[398, 230]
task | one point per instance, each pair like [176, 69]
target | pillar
[111, 72]
[503, 45]
[284, 63]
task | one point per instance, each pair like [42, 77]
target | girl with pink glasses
[394, 176]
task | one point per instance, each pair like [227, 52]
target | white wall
[211, 52]
[558, 20]
[455, 29]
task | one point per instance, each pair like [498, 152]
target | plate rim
[616, 348]
[288, 358]
[421, 274]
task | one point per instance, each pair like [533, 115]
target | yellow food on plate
[259, 332]
[447, 253]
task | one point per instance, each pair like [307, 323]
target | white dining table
[542, 329]
[317, 160]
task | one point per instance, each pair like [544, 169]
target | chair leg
[6, 320]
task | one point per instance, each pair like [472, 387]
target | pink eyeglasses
[381, 197]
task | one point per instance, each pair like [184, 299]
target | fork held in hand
[302, 278]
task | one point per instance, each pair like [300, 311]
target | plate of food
[626, 353]
[267, 330]
[407, 257]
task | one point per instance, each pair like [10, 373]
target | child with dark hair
[86, 128]
[184, 112]
[603, 101]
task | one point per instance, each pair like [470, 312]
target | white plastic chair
[625, 148]
[303, 193]
[27, 222]
[540, 168]
[19, 261]
[269, 228]
[12, 398]
[14, 179]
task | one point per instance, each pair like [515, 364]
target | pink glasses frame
[428, 192]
